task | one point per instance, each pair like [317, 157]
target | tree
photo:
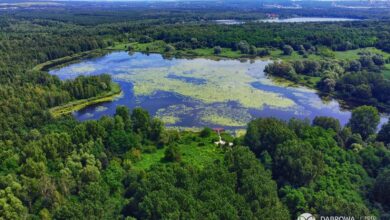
[327, 123]
[327, 84]
[297, 163]
[311, 68]
[194, 43]
[10, 206]
[287, 50]
[252, 50]
[238, 187]
[243, 46]
[206, 132]
[255, 184]
[294, 199]
[90, 173]
[120, 141]
[299, 66]
[263, 52]
[384, 134]
[378, 60]
[123, 111]
[141, 121]
[381, 192]
[363, 92]
[366, 61]
[264, 134]
[169, 48]
[172, 154]
[156, 129]
[145, 39]
[364, 121]
[281, 69]
[355, 66]
[217, 50]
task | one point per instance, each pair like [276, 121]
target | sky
[181, 0]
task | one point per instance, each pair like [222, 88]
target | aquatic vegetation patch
[83, 69]
[222, 120]
[224, 81]
[193, 93]
[174, 110]
[101, 108]
[187, 79]
[173, 113]
[225, 115]
[169, 120]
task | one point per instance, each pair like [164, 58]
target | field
[196, 151]
[355, 54]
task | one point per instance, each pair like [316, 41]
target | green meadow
[194, 150]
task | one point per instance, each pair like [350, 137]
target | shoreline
[186, 54]
[77, 105]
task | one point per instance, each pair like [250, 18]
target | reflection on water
[199, 92]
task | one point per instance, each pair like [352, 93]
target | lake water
[229, 22]
[307, 19]
[287, 20]
[199, 92]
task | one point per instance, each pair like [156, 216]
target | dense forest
[357, 81]
[61, 168]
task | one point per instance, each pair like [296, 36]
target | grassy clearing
[80, 104]
[278, 54]
[196, 151]
[309, 81]
[209, 53]
[354, 54]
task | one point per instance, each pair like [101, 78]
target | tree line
[356, 81]
[66, 169]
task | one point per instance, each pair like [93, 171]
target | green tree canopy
[364, 120]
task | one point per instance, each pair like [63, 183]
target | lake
[229, 22]
[199, 92]
[287, 20]
[307, 19]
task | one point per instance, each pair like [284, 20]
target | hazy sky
[191, 0]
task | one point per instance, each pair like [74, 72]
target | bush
[172, 154]
[169, 48]
[217, 50]
[263, 53]
[287, 50]
[206, 132]
[281, 69]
